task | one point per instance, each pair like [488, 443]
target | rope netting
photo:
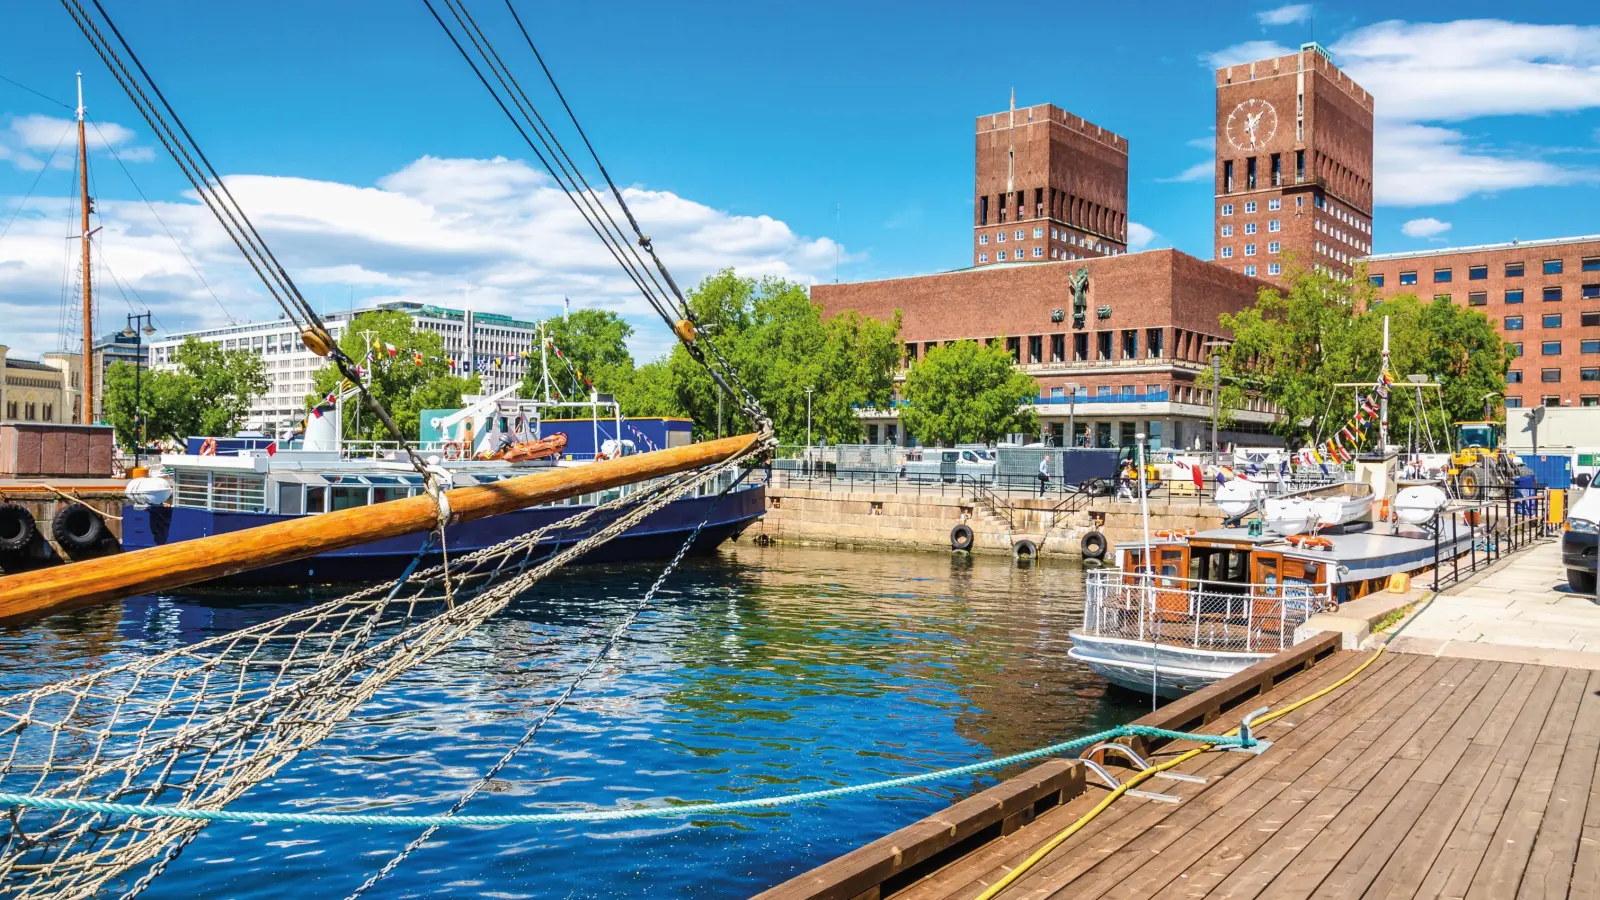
[199, 725]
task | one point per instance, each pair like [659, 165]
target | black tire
[961, 537]
[1024, 551]
[1581, 580]
[1093, 546]
[1469, 484]
[1581, 480]
[17, 527]
[78, 528]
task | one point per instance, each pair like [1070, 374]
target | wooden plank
[1107, 833]
[1550, 868]
[1452, 872]
[866, 868]
[202, 559]
[1500, 872]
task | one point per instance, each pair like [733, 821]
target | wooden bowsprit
[202, 559]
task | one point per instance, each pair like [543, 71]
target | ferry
[248, 483]
[1207, 605]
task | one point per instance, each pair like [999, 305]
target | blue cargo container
[1551, 470]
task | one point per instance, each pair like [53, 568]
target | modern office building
[1544, 296]
[1047, 185]
[1293, 166]
[475, 340]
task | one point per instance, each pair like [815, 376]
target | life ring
[452, 450]
[17, 527]
[1093, 545]
[208, 447]
[1310, 542]
[78, 528]
[961, 537]
[1025, 551]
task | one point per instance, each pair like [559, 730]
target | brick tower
[1294, 165]
[1048, 185]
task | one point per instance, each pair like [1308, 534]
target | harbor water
[759, 671]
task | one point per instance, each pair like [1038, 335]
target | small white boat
[1239, 496]
[1321, 507]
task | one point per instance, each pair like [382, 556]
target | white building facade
[474, 340]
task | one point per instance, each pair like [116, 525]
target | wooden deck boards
[1423, 777]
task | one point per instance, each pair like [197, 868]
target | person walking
[1044, 474]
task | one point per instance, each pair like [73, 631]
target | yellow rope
[1145, 774]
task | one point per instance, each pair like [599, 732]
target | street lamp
[808, 426]
[1072, 413]
[1487, 409]
[138, 366]
[1216, 395]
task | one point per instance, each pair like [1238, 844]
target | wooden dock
[1422, 777]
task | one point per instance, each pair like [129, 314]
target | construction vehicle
[1128, 467]
[1481, 462]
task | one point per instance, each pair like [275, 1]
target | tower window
[1250, 173]
[1299, 166]
[1277, 170]
[983, 210]
[1227, 176]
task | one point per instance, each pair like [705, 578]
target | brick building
[1293, 165]
[1131, 366]
[1047, 185]
[1543, 295]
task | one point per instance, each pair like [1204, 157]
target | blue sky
[755, 135]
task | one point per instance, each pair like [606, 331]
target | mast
[86, 413]
[1383, 393]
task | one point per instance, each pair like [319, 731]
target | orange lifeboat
[539, 449]
[1310, 542]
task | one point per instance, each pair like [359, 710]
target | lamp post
[808, 426]
[138, 333]
[1216, 396]
[1072, 413]
[1487, 409]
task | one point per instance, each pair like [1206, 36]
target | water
[759, 672]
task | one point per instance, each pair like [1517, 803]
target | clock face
[1252, 124]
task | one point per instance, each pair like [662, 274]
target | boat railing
[1200, 614]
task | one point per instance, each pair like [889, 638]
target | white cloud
[1422, 165]
[495, 233]
[1140, 236]
[1424, 228]
[1249, 51]
[1285, 15]
[27, 141]
[1200, 171]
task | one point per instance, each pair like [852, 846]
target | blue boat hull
[658, 536]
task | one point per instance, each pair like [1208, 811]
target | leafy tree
[647, 390]
[777, 341]
[595, 342]
[962, 392]
[208, 393]
[1292, 347]
[398, 381]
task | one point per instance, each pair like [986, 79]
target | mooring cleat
[1249, 743]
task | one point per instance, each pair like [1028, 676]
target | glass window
[1514, 296]
[1038, 252]
[1552, 267]
[983, 257]
[1591, 291]
[1274, 225]
[1514, 270]
[1274, 269]
[1550, 348]
[1249, 206]
[1001, 256]
[1552, 293]
[983, 239]
[1513, 323]
[1038, 232]
[1515, 349]
[1550, 376]
[1273, 246]
[1227, 253]
[1552, 320]
[1589, 346]
[1275, 204]
[1249, 249]
[1477, 273]
[1550, 400]
[1377, 280]
[1444, 297]
[1589, 374]
[1408, 278]
[1249, 228]
[1478, 298]
[1514, 376]
[1591, 264]
[1227, 209]
[1018, 234]
[1250, 270]
[1441, 275]
[1591, 318]
[1227, 231]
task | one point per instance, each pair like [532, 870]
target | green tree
[404, 386]
[594, 342]
[1294, 346]
[208, 394]
[963, 392]
[775, 338]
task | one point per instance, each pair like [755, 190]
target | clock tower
[1293, 166]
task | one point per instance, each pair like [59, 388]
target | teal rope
[604, 815]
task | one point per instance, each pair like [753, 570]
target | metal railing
[931, 483]
[1200, 614]
[1506, 520]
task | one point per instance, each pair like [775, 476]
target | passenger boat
[1319, 507]
[215, 492]
[1211, 604]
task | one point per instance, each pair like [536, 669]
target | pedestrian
[1044, 474]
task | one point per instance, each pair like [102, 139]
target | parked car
[1579, 542]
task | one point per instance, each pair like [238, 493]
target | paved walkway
[1521, 612]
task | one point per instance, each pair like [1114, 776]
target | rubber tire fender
[1093, 545]
[78, 528]
[1024, 551]
[17, 526]
[961, 537]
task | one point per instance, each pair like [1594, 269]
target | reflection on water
[759, 671]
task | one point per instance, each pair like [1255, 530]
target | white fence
[1203, 615]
